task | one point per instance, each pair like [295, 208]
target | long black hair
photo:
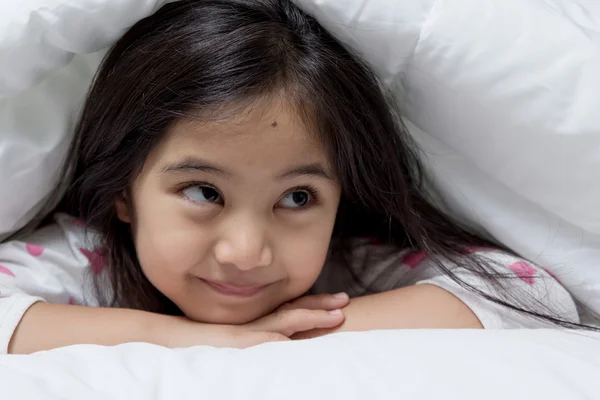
[196, 58]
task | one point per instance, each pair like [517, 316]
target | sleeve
[520, 282]
[50, 265]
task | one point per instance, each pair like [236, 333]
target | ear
[123, 212]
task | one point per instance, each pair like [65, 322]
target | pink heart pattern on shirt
[79, 223]
[6, 271]
[414, 259]
[96, 259]
[34, 249]
[524, 271]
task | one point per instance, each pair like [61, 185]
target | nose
[244, 245]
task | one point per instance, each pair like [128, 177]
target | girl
[233, 161]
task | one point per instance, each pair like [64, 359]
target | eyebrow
[314, 169]
[195, 164]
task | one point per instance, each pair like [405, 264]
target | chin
[221, 315]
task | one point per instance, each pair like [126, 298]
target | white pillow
[405, 365]
[506, 91]
[44, 76]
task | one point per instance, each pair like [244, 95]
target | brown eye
[202, 194]
[296, 199]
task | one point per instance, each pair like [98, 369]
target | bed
[502, 97]
[494, 365]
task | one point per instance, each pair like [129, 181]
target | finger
[289, 322]
[318, 302]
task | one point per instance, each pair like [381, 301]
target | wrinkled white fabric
[409, 365]
[45, 70]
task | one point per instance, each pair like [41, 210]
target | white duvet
[502, 95]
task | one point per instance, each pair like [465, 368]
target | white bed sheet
[407, 365]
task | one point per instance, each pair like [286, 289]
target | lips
[234, 290]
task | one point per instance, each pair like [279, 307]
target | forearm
[47, 326]
[412, 307]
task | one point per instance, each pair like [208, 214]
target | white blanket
[407, 365]
[504, 93]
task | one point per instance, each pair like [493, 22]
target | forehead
[263, 135]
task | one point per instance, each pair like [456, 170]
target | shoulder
[381, 267]
[66, 243]
[495, 261]
[65, 234]
[510, 279]
[56, 262]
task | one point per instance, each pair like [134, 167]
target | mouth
[234, 290]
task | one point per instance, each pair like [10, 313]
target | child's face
[233, 218]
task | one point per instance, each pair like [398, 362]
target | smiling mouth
[233, 290]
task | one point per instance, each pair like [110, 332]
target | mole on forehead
[225, 124]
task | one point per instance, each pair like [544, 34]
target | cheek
[168, 248]
[303, 257]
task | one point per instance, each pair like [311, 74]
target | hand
[320, 301]
[308, 313]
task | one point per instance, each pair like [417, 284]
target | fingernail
[340, 296]
[335, 312]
